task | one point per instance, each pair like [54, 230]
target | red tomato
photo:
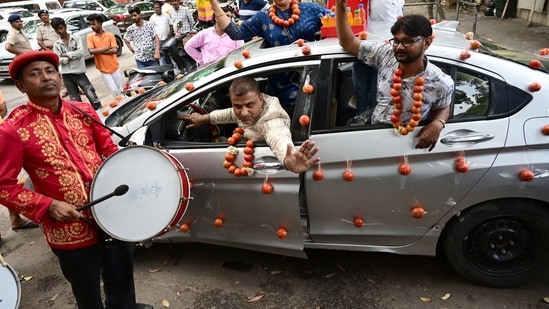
[184, 228]
[348, 175]
[267, 188]
[306, 50]
[248, 150]
[239, 130]
[526, 175]
[358, 221]
[418, 212]
[151, 105]
[218, 222]
[248, 157]
[281, 233]
[250, 144]
[308, 89]
[535, 64]
[300, 42]
[238, 64]
[246, 53]
[405, 169]
[318, 175]
[229, 157]
[461, 165]
[304, 120]
[535, 86]
[465, 54]
[545, 130]
[189, 86]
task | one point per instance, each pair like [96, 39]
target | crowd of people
[81, 145]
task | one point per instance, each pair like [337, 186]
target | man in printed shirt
[142, 40]
[70, 50]
[262, 118]
[61, 149]
[45, 34]
[16, 41]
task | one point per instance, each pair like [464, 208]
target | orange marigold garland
[401, 128]
[232, 152]
[285, 22]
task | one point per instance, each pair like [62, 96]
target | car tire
[120, 46]
[3, 36]
[502, 243]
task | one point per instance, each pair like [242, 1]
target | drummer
[61, 150]
[263, 119]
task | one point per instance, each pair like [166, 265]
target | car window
[75, 24]
[471, 95]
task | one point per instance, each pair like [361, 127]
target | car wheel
[3, 36]
[503, 243]
[120, 46]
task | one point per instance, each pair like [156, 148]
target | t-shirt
[107, 64]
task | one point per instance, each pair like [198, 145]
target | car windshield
[29, 28]
[135, 107]
[117, 9]
[491, 48]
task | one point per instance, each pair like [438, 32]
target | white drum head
[10, 289]
[152, 201]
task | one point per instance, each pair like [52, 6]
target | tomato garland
[232, 152]
[285, 22]
[400, 128]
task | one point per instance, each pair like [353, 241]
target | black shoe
[144, 306]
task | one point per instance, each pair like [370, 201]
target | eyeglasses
[405, 42]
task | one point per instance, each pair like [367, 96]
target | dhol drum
[10, 289]
[157, 198]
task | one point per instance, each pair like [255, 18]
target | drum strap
[96, 121]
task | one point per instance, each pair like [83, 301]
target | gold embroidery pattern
[41, 173]
[23, 134]
[60, 234]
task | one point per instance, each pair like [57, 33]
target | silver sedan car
[480, 198]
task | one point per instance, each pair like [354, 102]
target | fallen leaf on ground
[192, 289]
[253, 300]
[425, 299]
[153, 270]
[371, 281]
[178, 293]
[339, 266]
[445, 296]
[25, 279]
[54, 297]
[31, 243]
[276, 272]
[166, 303]
[330, 275]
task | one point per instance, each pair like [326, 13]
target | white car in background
[76, 23]
[5, 13]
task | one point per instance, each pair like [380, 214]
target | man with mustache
[262, 118]
[405, 76]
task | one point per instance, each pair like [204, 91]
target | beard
[407, 57]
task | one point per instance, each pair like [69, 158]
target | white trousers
[113, 81]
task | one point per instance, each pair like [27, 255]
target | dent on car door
[246, 217]
[374, 207]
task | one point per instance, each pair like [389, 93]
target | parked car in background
[76, 23]
[96, 5]
[33, 5]
[119, 13]
[479, 198]
[5, 13]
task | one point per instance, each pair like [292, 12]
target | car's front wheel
[502, 243]
[3, 36]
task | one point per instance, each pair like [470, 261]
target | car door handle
[268, 166]
[472, 137]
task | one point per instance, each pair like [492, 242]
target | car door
[225, 209]
[373, 208]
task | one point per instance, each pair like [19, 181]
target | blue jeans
[143, 64]
[365, 84]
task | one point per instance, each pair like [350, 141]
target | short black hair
[134, 9]
[95, 17]
[160, 3]
[57, 21]
[413, 25]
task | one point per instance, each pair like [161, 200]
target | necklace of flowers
[285, 22]
[401, 128]
[232, 152]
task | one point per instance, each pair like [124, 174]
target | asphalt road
[213, 277]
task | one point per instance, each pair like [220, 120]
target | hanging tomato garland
[401, 128]
[232, 152]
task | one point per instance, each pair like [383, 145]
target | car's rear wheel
[502, 243]
[120, 46]
[3, 36]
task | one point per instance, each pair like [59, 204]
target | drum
[10, 289]
[156, 200]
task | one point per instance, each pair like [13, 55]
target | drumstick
[120, 190]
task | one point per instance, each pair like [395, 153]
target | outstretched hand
[300, 160]
[195, 119]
